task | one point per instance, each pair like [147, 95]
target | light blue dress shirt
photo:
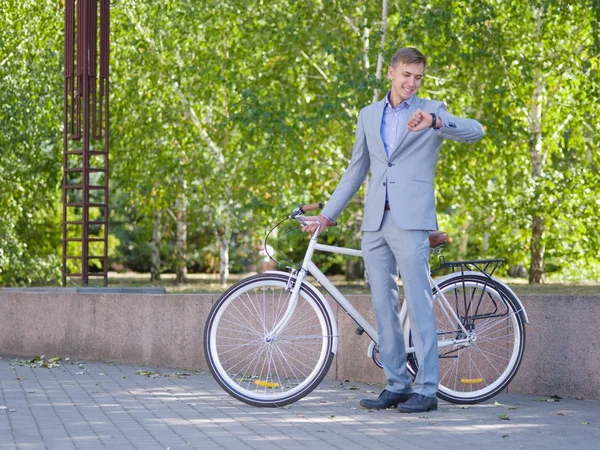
[394, 120]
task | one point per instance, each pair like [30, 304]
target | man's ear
[390, 72]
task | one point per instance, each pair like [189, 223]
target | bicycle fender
[496, 280]
[315, 291]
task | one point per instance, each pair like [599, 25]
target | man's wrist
[436, 121]
[433, 120]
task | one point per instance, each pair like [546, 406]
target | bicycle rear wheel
[262, 371]
[477, 370]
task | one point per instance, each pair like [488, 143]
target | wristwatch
[433, 120]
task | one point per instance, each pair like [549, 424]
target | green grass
[209, 283]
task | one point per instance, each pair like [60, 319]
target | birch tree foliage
[30, 141]
[226, 114]
[527, 71]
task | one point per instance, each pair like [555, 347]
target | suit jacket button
[384, 183]
[390, 164]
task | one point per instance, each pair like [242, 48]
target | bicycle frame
[309, 267]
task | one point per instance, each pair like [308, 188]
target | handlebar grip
[311, 207]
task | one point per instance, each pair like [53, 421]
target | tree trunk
[224, 241]
[156, 238]
[378, 74]
[536, 269]
[181, 243]
[464, 240]
[354, 269]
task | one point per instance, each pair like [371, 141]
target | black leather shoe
[385, 400]
[418, 403]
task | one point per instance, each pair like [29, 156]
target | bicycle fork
[300, 277]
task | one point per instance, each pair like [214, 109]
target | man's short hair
[409, 55]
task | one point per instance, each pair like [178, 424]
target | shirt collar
[403, 105]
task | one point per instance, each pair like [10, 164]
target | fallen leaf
[503, 417]
[561, 413]
[504, 436]
[287, 406]
[554, 398]
[585, 423]
[498, 403]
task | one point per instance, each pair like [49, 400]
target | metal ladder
[85, 139]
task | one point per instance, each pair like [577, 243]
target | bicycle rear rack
[485, 267]
[477, 265]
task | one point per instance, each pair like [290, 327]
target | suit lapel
[415, 104]
[375, 125]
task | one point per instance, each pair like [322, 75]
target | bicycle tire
[476, 372]
[261, 373]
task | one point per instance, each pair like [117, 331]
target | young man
[398, 139]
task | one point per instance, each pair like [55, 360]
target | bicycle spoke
[256, 367]
[493, 345]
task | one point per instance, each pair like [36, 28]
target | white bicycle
[269, 339]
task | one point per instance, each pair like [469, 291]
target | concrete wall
[562, 355]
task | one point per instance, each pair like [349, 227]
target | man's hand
[421, 120]
[311, 224]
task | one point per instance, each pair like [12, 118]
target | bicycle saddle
[437, 238]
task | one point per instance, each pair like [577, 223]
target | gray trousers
[385, 252]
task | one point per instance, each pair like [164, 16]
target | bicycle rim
[259, 372]
[476, 371]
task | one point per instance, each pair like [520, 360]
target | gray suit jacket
[409, 171]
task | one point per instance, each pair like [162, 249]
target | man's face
[406, 79]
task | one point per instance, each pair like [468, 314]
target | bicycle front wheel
[259, 369]
[478, 369]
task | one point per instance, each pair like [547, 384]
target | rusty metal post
[86, 139]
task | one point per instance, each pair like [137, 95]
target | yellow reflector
[268, 384]
[471, 380]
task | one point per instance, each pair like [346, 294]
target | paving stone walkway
[92, 405]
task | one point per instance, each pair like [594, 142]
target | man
[398, 139]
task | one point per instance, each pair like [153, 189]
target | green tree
[30, 141]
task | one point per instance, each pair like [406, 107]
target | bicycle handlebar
[312, 207]
[305, 208]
